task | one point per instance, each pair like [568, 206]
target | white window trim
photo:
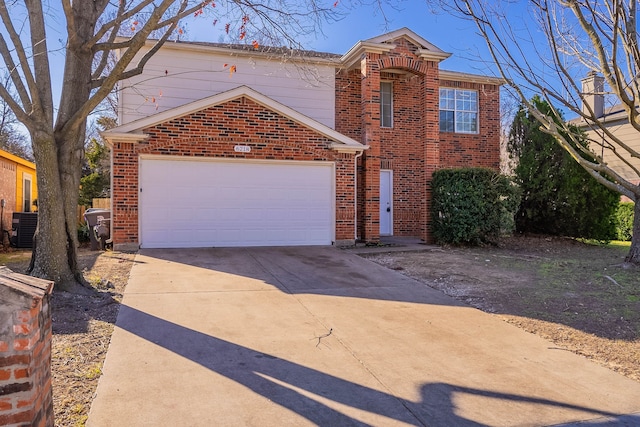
[477, 131]
[26, 178]
[390, 126]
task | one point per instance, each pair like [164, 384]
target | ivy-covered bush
[624, 221]
[472, 205]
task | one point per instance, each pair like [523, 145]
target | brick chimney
[593, 94]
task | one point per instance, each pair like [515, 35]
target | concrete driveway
[319, 336]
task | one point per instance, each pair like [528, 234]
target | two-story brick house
[234, 146]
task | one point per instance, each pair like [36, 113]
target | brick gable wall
[213, 132]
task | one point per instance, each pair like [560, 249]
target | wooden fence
[102, 203]
[97, 203]
[81, 211]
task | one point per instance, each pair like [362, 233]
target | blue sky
[450, 34]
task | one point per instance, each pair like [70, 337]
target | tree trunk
[634, 252]
[56, 258]
[50, 255]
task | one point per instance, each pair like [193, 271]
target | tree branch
[116, 23]
[14, 75]
[22, 58]
[106, 84]
[42, 71]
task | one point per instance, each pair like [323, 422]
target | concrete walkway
[320, 336]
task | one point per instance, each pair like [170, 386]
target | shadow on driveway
[302, 389]
[224, 337]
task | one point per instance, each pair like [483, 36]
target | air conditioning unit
[24, 227]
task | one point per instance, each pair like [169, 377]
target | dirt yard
[82, 327]
[578, 296]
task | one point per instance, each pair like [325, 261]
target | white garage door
[187, 203]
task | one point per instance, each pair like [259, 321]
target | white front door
[386, 203]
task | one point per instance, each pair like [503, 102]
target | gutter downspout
[355, 181]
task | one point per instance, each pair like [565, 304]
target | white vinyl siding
[458, 110]
[174, 77]
[626, 133]
[386, 104]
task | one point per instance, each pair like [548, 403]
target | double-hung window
[458, 110]
[386, 104]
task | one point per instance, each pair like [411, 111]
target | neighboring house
[616, 120]
[233, 146]
[18, 189]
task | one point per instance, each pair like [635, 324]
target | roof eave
[244, 53]
[132, 132]
[354, 54]
[471, 78]
[343, 148]
[430, 55]
[19, 160]
[126, 137]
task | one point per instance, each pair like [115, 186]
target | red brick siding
[25, 353]
[348, 122]
[414, 147]
[348, 103]
[403, 152]
[213, 132]
[370, 120]
[481, 149]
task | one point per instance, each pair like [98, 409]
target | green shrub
[83, 232]
[624, 221]
[472, 205]
[559, 197]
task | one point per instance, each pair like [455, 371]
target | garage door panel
[217, 203]
[204, 214]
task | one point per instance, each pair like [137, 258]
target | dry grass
[581, 297]
[82, 328]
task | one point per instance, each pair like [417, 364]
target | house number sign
[242, 149]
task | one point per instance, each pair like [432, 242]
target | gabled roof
[408, 34]
[237, 49]
[133, 131]
[382, 44]
[612, 116]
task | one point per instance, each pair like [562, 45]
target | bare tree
[546, 48]
[12, 138]
[92, 29]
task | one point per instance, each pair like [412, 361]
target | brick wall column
[431, 101]
[370, 90]
[124, 196]
[25, 350]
